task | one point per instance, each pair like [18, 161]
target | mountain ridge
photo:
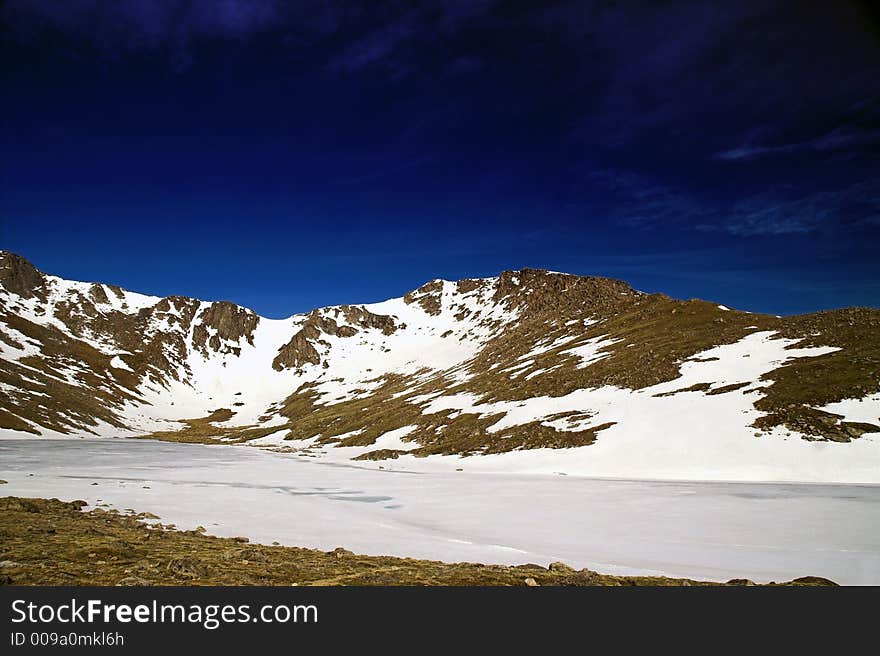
[528, 360]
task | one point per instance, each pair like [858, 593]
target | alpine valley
[529, 371]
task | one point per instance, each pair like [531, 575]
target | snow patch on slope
[673, 437]
[865, 410]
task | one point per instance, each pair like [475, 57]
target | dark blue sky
[289, 155]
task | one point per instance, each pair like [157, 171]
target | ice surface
[702, 530]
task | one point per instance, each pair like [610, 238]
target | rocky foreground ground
[51, 542]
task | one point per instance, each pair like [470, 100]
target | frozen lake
[761, 531]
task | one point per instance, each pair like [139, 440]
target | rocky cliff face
[20, 277]
[222, 327]
[342, 321]
[527, 360]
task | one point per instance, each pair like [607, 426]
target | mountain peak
[19, 276]
[529, 359]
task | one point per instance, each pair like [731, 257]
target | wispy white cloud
[854, 132]
[855, 207]
[836, 140]
[642, 203]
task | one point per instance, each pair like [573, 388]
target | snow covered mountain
[529, 371]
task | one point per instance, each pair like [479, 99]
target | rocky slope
[530, 370]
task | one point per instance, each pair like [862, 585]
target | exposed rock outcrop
[428, 297]
[18, 276]
[301, 350]
[222, 323]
